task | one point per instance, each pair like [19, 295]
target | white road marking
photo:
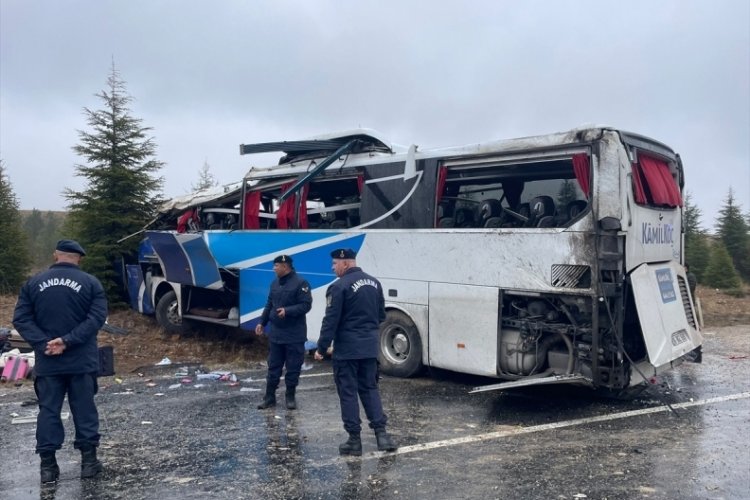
[540, 428]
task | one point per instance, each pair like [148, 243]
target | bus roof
[310, 149]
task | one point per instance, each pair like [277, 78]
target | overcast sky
[210, 75]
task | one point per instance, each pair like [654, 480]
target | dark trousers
[280, 354]
[51, 391]
[359, 377]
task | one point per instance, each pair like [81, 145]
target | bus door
[464, 328]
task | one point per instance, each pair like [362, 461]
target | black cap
[70, 246]
[344, 253]
[283, 259]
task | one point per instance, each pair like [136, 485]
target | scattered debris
[164, 361]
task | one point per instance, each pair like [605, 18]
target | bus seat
[494, 222]
[211, 222]
[541, 206]
[546, 221]
[489, 208]
[525, 210]
[464, 217]
[446, 222]
[575, 208]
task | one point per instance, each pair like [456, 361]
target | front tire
[168, 313]
[400, 352]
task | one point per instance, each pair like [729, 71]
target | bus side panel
[667, 331]
[464, 328]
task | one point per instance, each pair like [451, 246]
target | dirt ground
[145, 343]
[219, 348]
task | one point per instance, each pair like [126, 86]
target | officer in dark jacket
[288, 302]
[59, 312]
[354, 310]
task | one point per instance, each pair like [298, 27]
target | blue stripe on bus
[236, 246]
[314, 265]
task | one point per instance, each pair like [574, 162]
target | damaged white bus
[549, 259]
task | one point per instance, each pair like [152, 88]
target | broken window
[525, 194]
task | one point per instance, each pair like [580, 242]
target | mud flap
[186, 259]
[663, 305]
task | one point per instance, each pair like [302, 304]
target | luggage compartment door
[186, 259]
[463, 330]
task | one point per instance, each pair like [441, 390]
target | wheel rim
[395, 344]
[173, 315]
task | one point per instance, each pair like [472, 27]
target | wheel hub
[400, 344]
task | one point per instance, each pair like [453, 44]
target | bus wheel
[168, 314]
[400, 346]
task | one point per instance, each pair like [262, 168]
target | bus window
[534, 194]
[330, 203]
[654, 184]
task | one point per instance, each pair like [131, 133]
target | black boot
[291, 403]
[384, 441]
[269, 400]
[352, 446]
[49, 471]
[90, 466]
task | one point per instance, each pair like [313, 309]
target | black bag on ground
[106, 361]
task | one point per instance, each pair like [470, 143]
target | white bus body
[537, 260]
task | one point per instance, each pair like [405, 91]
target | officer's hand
[318, 356]
[280, 312]
[258, 329]
[55, 347]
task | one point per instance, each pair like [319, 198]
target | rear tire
[168, 313]
[400, 347]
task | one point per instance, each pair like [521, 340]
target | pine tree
[14, 252]
[696, 244]
[698, 255]
[205, 178]
[566, 194]
[33, 225]
[122, 190]
[720, 272]
[733, 232]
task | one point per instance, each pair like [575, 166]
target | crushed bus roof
[300, 154]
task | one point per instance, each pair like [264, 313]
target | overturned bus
[547, 259]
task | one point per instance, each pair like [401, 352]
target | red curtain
[440, 189]
[442, 176]
[360, 183]
[581, 169]
[653, 183]
[252, 209]
[664, 190]
[302, 207]
[638, 181]
[184, 222]
[285, 214]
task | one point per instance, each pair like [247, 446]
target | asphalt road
[205, 439]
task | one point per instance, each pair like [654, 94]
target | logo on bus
[657, 234]
[666, 287]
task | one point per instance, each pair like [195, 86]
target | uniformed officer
[354, 310]
[288, 302]
[59, 312]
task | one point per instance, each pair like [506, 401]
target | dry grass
[146, 343]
